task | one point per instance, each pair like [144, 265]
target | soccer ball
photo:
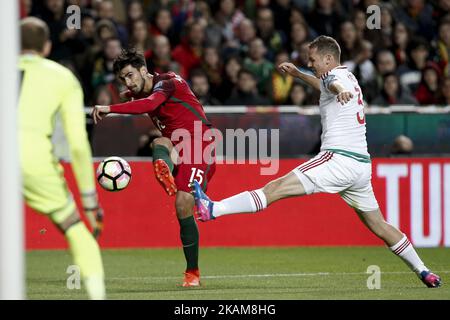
[113, 174]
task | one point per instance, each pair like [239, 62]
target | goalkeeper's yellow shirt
[48, 88]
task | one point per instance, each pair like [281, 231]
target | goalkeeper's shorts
[48, 193]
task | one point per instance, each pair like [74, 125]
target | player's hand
[289, 68]
[344, 97]
[98, 112]
[125, 96]
[95, 218]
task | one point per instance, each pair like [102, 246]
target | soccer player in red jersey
[172, 106]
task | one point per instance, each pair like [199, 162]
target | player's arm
[74, 123]
[139, 106]
[336, 87]
[295, 72]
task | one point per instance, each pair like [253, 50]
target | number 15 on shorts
[197, 174]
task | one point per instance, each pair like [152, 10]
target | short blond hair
[327, 45]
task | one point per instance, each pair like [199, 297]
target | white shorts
[333, 172]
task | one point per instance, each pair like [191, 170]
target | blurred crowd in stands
[228, 50]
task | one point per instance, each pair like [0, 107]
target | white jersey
[343, 126]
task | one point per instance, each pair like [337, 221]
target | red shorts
[202, 171]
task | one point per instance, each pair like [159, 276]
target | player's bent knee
[70, 221]
[184, 204]
[162, 141]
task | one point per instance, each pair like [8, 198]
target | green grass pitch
[245, 273]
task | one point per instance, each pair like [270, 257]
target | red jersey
[171, 105]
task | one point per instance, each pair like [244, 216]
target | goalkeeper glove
[93, 212]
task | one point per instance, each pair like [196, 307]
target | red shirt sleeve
[139, 106]
[161, 92]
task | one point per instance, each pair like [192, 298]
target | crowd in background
[228, 50]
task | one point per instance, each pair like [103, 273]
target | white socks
[408, 254]
[245, 202]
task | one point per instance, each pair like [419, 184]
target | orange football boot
[191, 278]
[164, 176]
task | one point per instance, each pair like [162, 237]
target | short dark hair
[246, 71]
[34, 34]
[129, 57]
[327, 45]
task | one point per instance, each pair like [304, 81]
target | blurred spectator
[392, 93]
[25, 8]
[212, 66]
[274, 40]
[442, 8]
[103, 65]
[200, 87]
[400, 43]
[105, 10]
[418, 16]
[350, 43]
[385, 63]
[245, 33]
[105, 29]
[361, 65]
[139, 37]
[182, 14]
[445, 92]
[411, 73]
[281, 12]
[162, 24]
[63, 39]
[300, 55]
[297, 16]
[325, 18]
[428, 91]
[402, 145]
[259, 66]
[281, 83]
[102, 96]
[189, 52]
[213, 32]
[135, 12]
[246, 92]
[156, 5]
[221, 27]
[382, 38]
[232, 67]
[443, 45]
[359, 21]
[297, 95]
[299, 35]
[228, 17]
[161, 61]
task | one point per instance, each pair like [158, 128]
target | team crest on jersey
[158, 86]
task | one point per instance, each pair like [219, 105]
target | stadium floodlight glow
[11, 215]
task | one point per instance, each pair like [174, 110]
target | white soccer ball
[114, 174]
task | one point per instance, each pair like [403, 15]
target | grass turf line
[245, 273]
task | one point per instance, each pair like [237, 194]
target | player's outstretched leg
[399, 244]
[247, 201]
[163, 165]
[84, 249]
[189, 235]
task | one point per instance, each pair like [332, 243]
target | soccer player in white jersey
[342, 166]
